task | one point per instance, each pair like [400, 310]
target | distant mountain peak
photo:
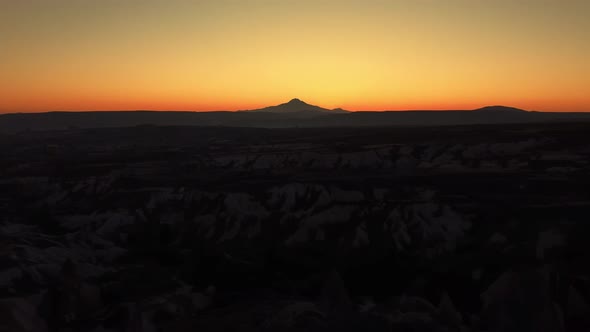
[296, 105]
[296, 102]
[500, 108]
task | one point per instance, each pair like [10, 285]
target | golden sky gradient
[241, 54]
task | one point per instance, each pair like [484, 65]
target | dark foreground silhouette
[154, 228]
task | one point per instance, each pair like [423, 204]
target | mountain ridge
[500, 108]
[293, 114]
[295, 105]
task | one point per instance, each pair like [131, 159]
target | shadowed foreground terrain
[151, 228]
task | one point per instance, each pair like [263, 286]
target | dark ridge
[499, 108]
[294, 105]
[293, 114]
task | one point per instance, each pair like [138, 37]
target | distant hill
[296, 105]
[294, 113]
[499, 109]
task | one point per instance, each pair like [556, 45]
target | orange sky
[237, 54]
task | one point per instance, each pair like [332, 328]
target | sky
[244, 54]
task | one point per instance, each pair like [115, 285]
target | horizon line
[335, 110]
[327, 110]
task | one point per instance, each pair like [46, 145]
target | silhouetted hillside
[295, 113]
[499, 109]
[296, 105]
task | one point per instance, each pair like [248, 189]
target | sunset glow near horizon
[235, 54]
